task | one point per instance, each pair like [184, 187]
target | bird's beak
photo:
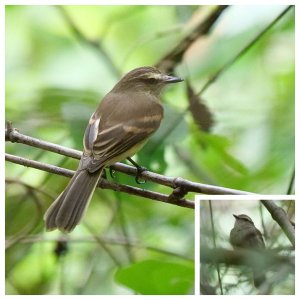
[235, 216]
[171, 79]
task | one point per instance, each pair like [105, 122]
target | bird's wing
[253, 238]
[260, 239]
[117, 126]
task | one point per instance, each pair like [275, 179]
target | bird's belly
[126, 154]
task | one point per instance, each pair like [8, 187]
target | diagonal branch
[96, 45]
[280, 216]
[169, 61]
[243, 51]
[215, 244]
[221, 71]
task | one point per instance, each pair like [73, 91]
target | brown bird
[245, 235]
[125, 119]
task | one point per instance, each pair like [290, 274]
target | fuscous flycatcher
[124, 120]
[245, 235]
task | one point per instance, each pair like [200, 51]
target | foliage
[160, 278]
[54, 80]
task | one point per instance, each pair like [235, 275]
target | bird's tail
[67, 210]
[259, 277]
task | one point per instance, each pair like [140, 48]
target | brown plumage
[245, 235]
[126, 117]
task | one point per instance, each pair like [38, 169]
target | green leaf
[151, 277]
[220, 146]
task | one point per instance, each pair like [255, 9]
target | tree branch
[220, 72]
[103, 183]
[258, 259]
[12, 135]
[280, 216]
[215, 244]
[168, 62]
[244, 50]
[96, 45]
[291, 184]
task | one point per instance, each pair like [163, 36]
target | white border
[244, 197]
[2, 138]
[198, 199]
[146, 2]
[197, 248]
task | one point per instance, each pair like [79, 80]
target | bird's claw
[104, 174]
[112, 172]
[139, 171]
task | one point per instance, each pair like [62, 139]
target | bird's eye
[247, 220]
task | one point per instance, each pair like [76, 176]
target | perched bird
[124, 120]
[245, 235]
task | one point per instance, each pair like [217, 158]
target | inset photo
[247, 247]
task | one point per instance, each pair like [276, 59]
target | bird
[245, 235]
[122, 123]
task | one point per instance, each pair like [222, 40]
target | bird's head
[147, 79]
[243, 219]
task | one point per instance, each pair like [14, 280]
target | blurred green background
[61, 60]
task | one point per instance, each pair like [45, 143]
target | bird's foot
[104, 174]
[139, 171]
[112, 172]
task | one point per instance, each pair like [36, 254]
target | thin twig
[214, 77]
[29, 187]
[124, 228]
[35, 218]
[215, 244]
[104, 246]
[96, 45]
[291, 183]
[108, 240]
